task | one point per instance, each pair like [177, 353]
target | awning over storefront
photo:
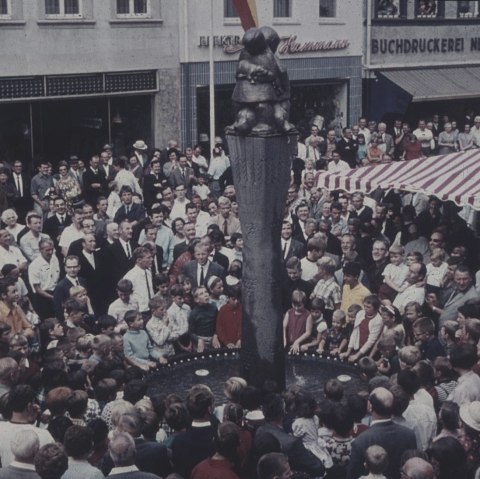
[437, 83]
[454, 177]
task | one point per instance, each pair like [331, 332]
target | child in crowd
[215, 288]
[450, 333]
[186, 283]
[80, 294]
[76, 315]
[358, 407]
[137, 346]
[297, 323]
[229, 320]
[83, 347]
[159, 329]
[352, 312]
[333, 390]
[409, 356]
[234, 273]
[201, 189]
[339, 444]
[106, 324]
[414, 257]
[334, 340]
[412, 312]
[202, 321]
[232, 390]
[317, 308]
[50, 331]
[161, 283]
[436, 270]
[394, 274]
[327, 288]
[376, 462]
[178, 313]
[124, 303]
[445, 378]
[305, 426]
[387, 348]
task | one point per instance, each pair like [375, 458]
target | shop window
[63, 8]
[133, 8]
[468, 8]
[327, 8]
[388, 9]
[229, 10]
[5, 9]
[429, 9]
[282, 8]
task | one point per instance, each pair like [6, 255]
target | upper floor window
[229, 10]
[427, 9]
[387, 8]
[63, 8]
[468, 8]
[282, 8]
[327, 8]
[5, 9]
[133, 8]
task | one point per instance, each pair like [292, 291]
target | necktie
[129, 252]
[225, 228]
[148, 285]
[202, 277]
[76, 282]
[19, 185]
[62, 221]
[127, 209]
[183, 173]
[284, 249]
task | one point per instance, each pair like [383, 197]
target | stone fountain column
[261, 172]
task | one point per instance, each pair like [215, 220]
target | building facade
[422, 57]
[77, 74]
[321, 46]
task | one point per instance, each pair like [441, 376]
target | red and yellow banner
[247, 11]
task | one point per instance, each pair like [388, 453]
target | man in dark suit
[21, 182]
[183, 175]
[119, 257]
[55, 225]
[91, 269]
[347, 146]
[133, 212]
[153, 183]
[298, 222]
[362, 212]
[94, 182]
[106, 165]
[88, 227]
[394, 438]
[201, 268]
[290, 246]
[62, 290]
[123, 451]
[180, 248]
[299, 457]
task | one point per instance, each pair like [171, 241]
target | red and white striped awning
[454, 177]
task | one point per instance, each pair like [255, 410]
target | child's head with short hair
[339, 319]
[102, 345]
[106, 324]
[234, 294]
[234, 387]
[396, 253]
[317, 308]
[299, 299]
[333, 390]
[409, 356]
[387, 344]
[158, 306]
[162, 282]
[124, 290]
[423, 329]
[368, 368]
[412, 311]
[376, 459]
[352, 312]
[83, 346]
[178, 294]
[186, 282]
[79, 293]
[414, 257]
[472, 330]
[200, 295]
[304, 404]
[437, 257]
[74, 310]
[133, 319]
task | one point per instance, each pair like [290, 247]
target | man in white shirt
[201, 222]
[180, 203]
[337, 165]
[11, 254]
[43, 275]
[29, 241]
[424, 136]
[363, 129]
[123, 177]
[72, 232]
[463, 357]
[141, 278]
[416, 289]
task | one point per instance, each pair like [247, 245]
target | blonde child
[409, 356]
[159, 329]
[436, 269]
[297, 323]
[351, 315]
[334, 340]
[80, 294]
[376, 462]
[394, 274]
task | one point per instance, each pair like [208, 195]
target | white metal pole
[212, 82]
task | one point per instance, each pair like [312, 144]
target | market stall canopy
[454, 177]
[437, 84]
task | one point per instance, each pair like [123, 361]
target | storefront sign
[288, 44]
[402, 46]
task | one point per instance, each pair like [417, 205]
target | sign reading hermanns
[288, 44]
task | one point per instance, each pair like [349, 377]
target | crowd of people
[112, 267]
